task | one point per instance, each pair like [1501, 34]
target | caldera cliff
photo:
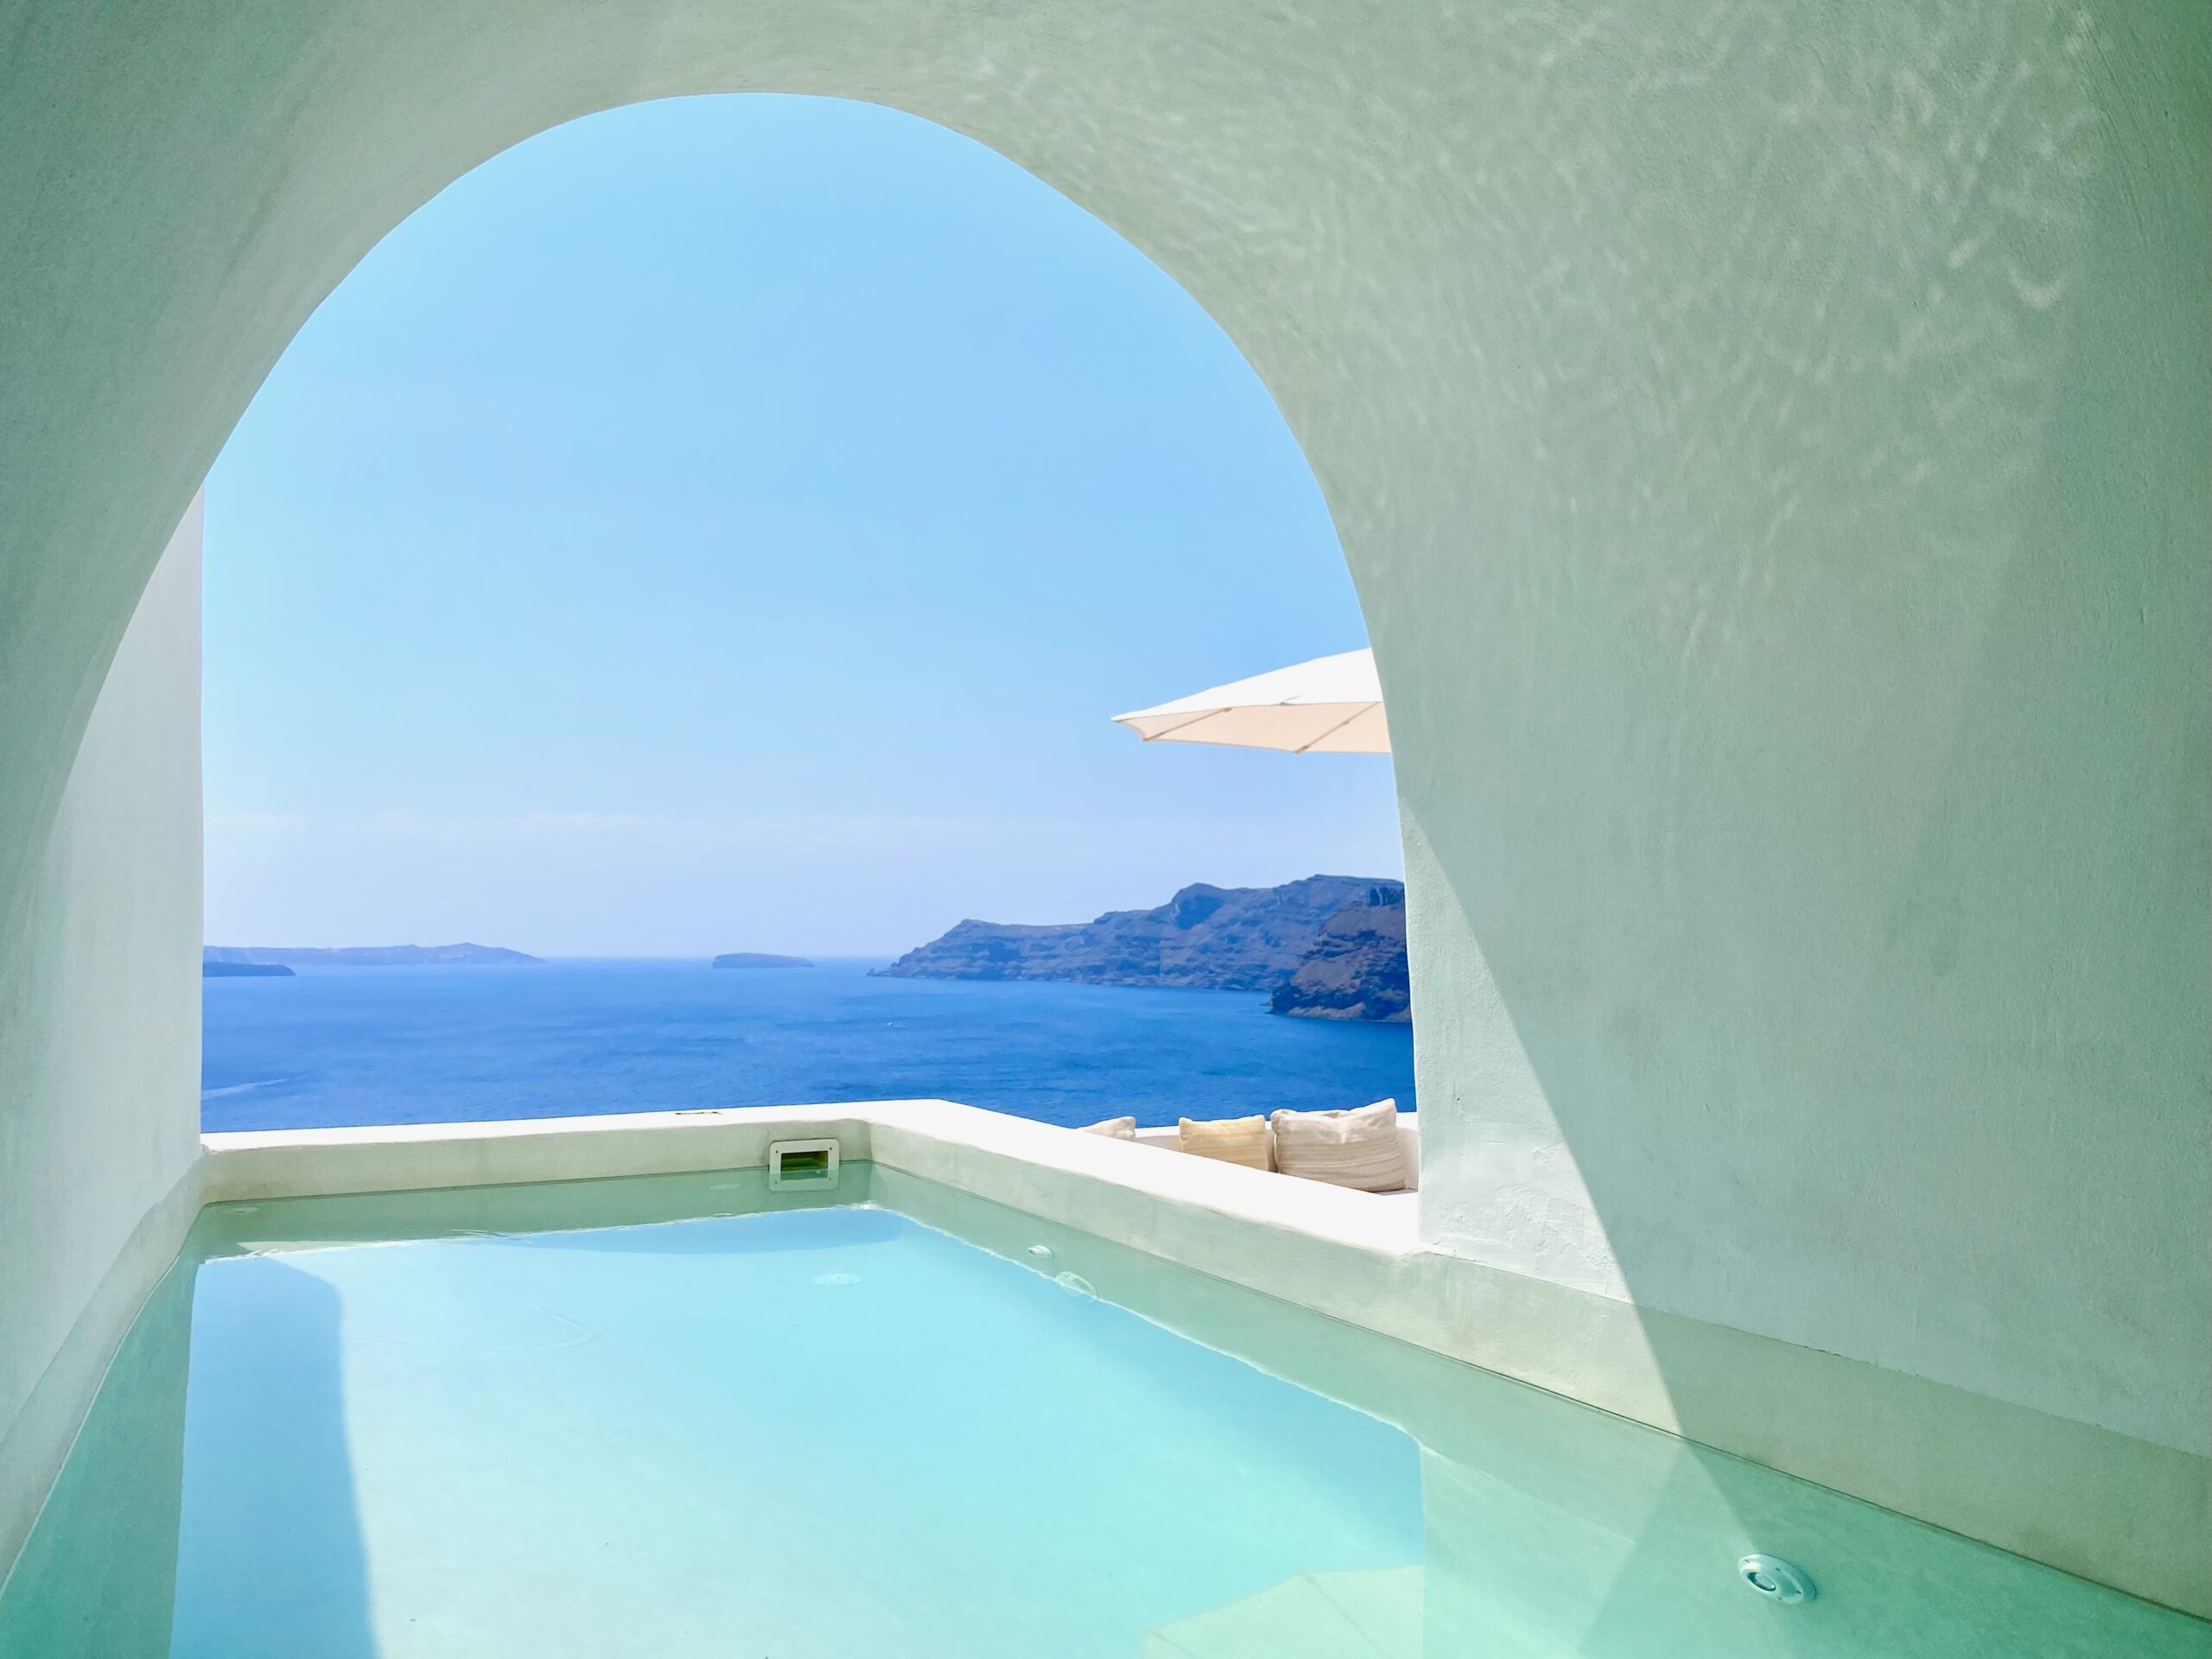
[1286, 941]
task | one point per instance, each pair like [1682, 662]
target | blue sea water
[342, 1046]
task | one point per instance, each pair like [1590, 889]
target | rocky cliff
[1356, 969]
[1204, 938]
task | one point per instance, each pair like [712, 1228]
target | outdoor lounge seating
[1168, 1136]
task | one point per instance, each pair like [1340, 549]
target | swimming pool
[684, 1415]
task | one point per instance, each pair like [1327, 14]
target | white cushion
[1233, 1139]
[1117, 1128]
[1357, 1148]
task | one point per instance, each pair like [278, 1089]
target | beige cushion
[1358, 1149]
[1233, 1139]
[1118, 1128]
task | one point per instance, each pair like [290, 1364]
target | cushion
[1233, 1139]
[1118, 1128]
[1358, 1149]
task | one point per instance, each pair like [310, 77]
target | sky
[730, 524]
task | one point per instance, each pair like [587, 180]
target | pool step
[1368, 1615]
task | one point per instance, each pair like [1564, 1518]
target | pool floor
[900, 1423]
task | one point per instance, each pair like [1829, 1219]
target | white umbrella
[1333, 705]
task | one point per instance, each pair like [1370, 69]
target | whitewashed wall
[99, 1040]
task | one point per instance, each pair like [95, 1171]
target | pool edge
[2103, 1506]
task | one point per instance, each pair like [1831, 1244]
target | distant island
[225, 969]
[759, 959]
[1330, 947]
[217, 959]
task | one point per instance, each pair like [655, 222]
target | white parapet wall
[2058, 1491]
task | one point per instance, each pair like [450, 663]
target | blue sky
[729, 523]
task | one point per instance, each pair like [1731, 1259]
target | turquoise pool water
[688, 1417]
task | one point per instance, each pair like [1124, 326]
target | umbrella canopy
[1333, 705]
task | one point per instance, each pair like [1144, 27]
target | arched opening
[722, 525]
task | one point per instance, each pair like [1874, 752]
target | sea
[346, 1046]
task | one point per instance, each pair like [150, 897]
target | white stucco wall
[1770, 445]
[99, 1038]
[1809, 845]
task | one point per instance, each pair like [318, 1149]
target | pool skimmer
[798, 1164]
